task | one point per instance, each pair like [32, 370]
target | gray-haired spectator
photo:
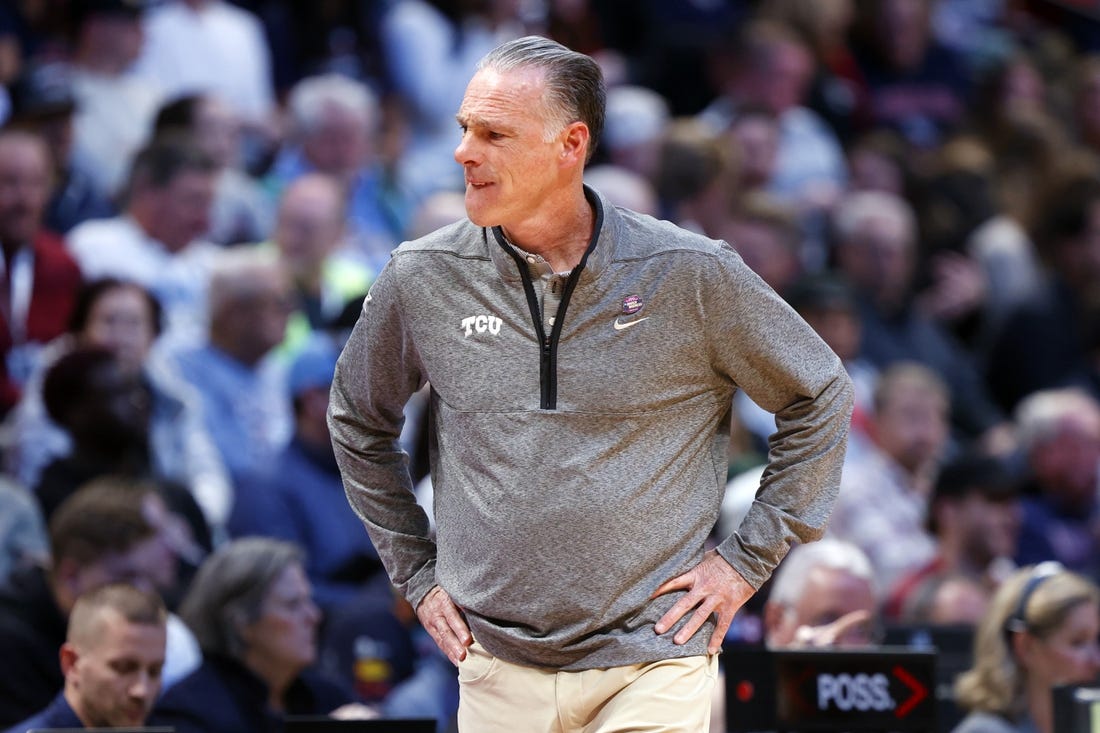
[1059, 435]
[635, 124]
[823, 594]
[876, 250]
[244, 404]
[250, 606]
[334, 129]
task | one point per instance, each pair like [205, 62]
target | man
[885, 485]
[335, 125]
[1059, 434]
[115, 108]
[309, 236]
[109, 532]
[157, 241]
[302, 499]
[112, 660]
[582, 360]
[974, 517]
[245, 407]
[823, 595]
[876, 248]
[44, 102]
[39, 280]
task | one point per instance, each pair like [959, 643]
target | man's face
[913, 426]
[24, 188]
[829, 594]
[114, 678]
[340, 144]
[309, 226]
[509, 165]
[989, 528]
[150, 565]
[183, 209]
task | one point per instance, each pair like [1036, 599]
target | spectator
[754, 133]
[884, 489]
[43, 101]
[114, 108]
[823, 594]
[240, 212]
[112, 661]
[334, 126]
[155, 241]
[302, 499]
[974, 516]
[770, 67]
[41, 279]
[310, 240]
[876, 251]
[834, 91]
[765, 232]
[210, 46]
[1040, 631]
[124, 318]
[251, 609]
[1059, 434]
[635, 124]
[106, 414]
[914, 84]
[946, 599]
[110, 532]
[696, 177]
[244, 402]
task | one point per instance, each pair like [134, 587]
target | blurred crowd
[195, 196]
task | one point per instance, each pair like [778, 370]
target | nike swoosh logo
[619, 325]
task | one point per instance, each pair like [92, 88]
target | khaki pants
[668, 696]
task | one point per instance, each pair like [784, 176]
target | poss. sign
[880, 689]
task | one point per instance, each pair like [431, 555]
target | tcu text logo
[481, 324]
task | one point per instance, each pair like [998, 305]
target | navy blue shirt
[59, 714]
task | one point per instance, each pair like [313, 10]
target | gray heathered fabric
[555, 526]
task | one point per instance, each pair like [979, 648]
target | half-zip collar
[548, 343]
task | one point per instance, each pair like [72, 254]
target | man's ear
[69, 656]
[575, 142]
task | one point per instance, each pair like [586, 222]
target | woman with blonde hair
[1040, 631]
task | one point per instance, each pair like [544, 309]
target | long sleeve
[378, 371]
[785, 367]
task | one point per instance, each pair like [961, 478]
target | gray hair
[790, 577]
[237, 270]
[311, 96]
[856, 209]
[575, 88]
[228, 592]
[1039, 416]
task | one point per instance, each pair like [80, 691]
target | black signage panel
[880, 689]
